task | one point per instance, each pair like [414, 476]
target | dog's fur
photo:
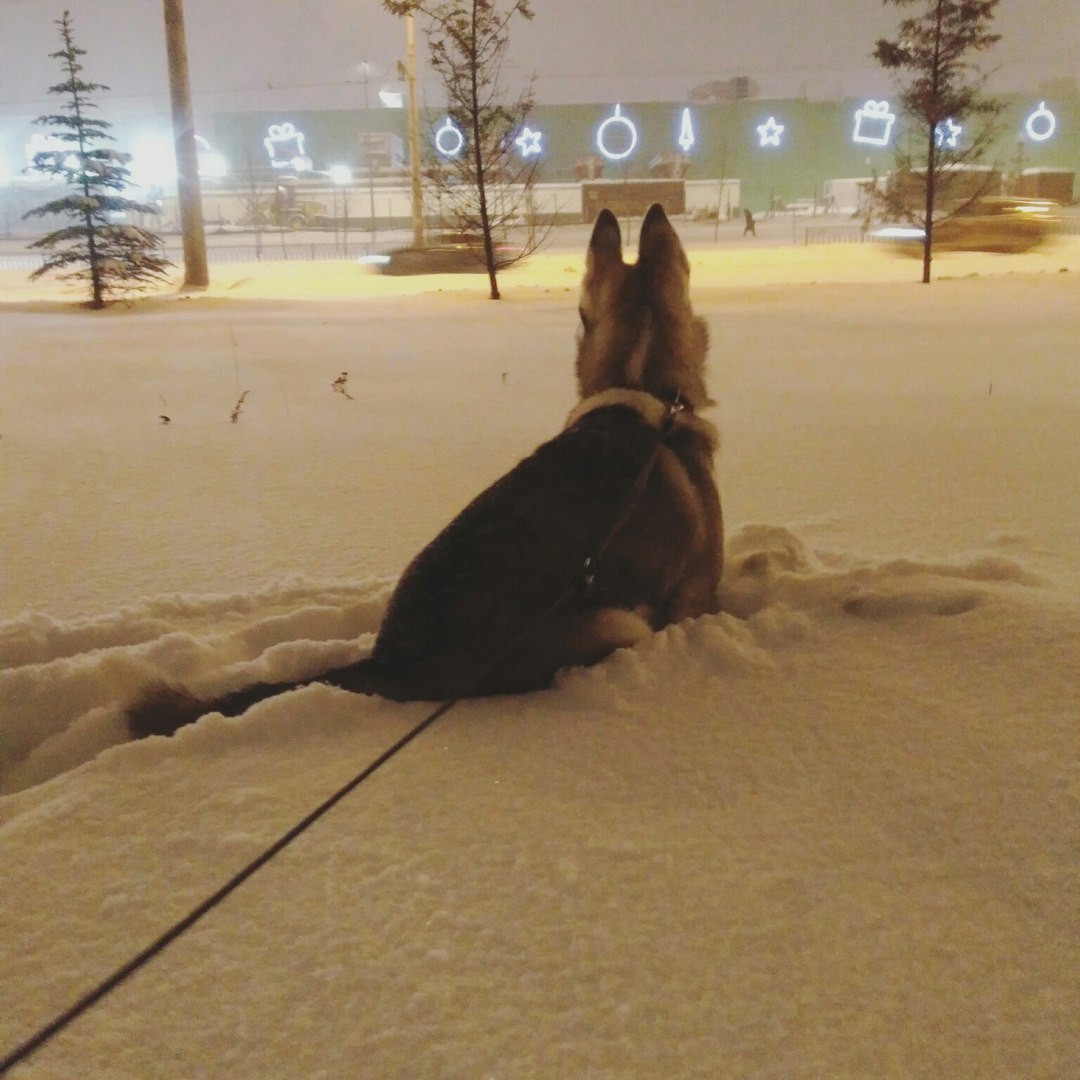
[633, 469]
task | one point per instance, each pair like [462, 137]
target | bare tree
[483, 174]
[942, 94]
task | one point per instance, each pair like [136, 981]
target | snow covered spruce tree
[483, 176]
[942, 95]
[113, 258]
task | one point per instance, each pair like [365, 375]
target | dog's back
[604, 534]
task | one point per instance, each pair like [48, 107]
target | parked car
[447, 253]
[1001, 223]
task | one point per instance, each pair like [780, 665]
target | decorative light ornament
[873, 124]
[769, 133]
[947, 133]
[528, 141]
[1041, 124]
[285, 145]
[686, 132]
[617, 118]
[449, 140]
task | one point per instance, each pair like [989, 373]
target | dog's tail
[165, 708]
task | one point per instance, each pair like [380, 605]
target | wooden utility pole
[414, 132]
[189, 195]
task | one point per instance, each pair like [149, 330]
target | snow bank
[831, 835]
[829, 832]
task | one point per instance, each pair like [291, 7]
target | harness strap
[655, 412]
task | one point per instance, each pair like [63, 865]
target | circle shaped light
[454, 140]
[618, 118]
[1040, 125]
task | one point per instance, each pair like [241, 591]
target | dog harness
[659, 414]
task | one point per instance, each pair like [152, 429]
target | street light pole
[189, 195]
[367, 152]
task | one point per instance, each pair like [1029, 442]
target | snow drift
[829, 832]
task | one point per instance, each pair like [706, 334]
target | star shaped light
[529, 141]
[947, 133]
[769, 133]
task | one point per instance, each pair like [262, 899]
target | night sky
[248, 54]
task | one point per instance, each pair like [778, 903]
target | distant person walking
[751, 228]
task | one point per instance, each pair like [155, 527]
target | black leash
[122, 974]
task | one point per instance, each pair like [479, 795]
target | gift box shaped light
[285, 145]
[874, 123]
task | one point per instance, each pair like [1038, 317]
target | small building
[955, 184]
[1056, 184]
[849, 194]
[631, 198]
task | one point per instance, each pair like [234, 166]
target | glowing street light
[341, 176]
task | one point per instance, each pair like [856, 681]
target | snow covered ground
[828, 833]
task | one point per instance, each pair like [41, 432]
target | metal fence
[835, 234]
[274, 247]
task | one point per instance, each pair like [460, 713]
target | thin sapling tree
[483, 175]
[942, 94]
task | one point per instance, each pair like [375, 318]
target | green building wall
[816, 144]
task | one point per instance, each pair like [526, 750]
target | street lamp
[341, 176]
[365, 67]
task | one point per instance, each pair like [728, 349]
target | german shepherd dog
[606, 533]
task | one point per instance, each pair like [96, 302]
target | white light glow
[529, 141]
[900, 232]
[340, 174]
[212, 165]
[1041, 124]
[392, 99]
[617, 118]
[686, 132]
[769, 133]
[153, 162]
[873, 124]
[48, 144]
[449, 140]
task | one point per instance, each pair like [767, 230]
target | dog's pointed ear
[659, 245]
[605, 247]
